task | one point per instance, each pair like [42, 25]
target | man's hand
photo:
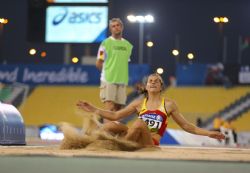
[99, 64]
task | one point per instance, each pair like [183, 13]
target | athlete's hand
[216, 135]
[86, 106]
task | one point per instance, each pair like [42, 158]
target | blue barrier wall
[63, 74]
[191, 74]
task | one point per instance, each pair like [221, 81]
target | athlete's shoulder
[170, 105]
[169, 101]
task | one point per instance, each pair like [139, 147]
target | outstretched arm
[189, 127]
[110, 115]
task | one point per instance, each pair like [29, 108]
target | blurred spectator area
[197, 74]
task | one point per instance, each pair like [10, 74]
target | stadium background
[27, 78]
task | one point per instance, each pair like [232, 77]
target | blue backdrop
[63, 74]
[191, 74]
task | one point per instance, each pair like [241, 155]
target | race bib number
[153, 121]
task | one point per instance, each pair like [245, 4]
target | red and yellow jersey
[156, 120]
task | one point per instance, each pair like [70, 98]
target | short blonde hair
[115, 20]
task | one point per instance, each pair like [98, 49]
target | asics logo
[77, 17]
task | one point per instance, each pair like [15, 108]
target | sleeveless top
[116, 55]
[156, 120]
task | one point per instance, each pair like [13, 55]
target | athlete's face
[116, 28]
[154, 84]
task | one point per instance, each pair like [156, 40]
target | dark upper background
[192, 20]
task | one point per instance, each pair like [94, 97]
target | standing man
[112, 60]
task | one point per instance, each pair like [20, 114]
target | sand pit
[42, 148]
